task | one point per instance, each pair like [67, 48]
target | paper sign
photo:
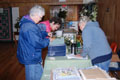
[62, 0]
[1, 10]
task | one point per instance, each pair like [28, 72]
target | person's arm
[87, 41]
[44, 33]
[42, 28]
[35, 37]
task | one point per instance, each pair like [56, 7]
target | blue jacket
[30, 43]
[95, 43]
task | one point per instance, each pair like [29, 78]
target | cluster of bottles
[73, 42]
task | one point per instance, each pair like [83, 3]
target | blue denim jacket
[31, 42]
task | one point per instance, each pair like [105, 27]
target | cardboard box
[95, 74]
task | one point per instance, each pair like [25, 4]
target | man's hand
[78, 55]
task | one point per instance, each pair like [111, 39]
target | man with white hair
[95, 44]
[30, 43]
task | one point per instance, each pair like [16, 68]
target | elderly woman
[30, 43]
[95, 44]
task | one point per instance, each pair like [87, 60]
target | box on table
[59, 50]
[95, 73]
[65, 74]
[90, 73]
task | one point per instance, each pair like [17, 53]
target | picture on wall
[6, 25]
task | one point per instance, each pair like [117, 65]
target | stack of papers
[72, 56]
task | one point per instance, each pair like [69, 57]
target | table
[62, 62]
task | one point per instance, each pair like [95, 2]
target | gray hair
[84, 19]
[37, 10]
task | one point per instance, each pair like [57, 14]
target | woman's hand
[51, 38]
[49, 34]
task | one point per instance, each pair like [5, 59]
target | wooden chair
[113, 47]
[115, 67]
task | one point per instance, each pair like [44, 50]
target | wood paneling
[57, 1]
[72, 13]
[44, 1]
[21, 1]
[107, 18]
[25, 5]
[47, 12]
[74, 0]
[14, 1]
[117, 23]
[4, 1]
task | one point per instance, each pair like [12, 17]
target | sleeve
[44, 34]
[42, 28]
[87, 41]
[35, 37]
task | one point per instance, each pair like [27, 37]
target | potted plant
[90, 10]
[63, 13]
[17, 24]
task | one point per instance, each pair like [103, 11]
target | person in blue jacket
[95, 44]
[31, 42]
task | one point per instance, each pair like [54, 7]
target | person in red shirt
[50, 25]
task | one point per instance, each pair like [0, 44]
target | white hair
[37, 10]
[84, 19]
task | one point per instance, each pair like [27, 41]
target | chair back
[113, 47]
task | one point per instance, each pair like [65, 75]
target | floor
[10, 68]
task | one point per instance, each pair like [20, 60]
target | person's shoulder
[29, 25]
[41, 24]
[88, 28]
[42, 27]
[92, 25]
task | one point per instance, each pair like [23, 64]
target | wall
[108, 17]
[117, 23]
[24, 7]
